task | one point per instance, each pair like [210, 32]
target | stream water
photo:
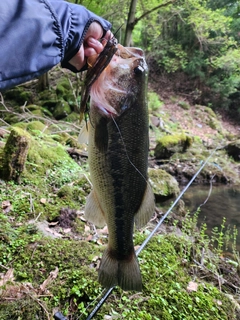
[223, 202]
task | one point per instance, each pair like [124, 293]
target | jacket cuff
[81, 19]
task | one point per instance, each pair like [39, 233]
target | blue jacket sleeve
[35, 35]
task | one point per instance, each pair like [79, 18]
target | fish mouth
[114, 87]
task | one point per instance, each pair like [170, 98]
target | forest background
[192, 45]
[48, 252]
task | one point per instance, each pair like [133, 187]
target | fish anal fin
[93, 211]
[124, 273]
[146, 209]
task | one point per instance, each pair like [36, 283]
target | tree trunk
[130, 23]
[43, 82]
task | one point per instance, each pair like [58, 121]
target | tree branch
[153, 9]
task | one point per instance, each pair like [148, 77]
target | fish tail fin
[124, 273]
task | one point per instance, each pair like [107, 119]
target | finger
[95, 31]
[107, 37]
[79, 60]
[90, 52]
[93, 44]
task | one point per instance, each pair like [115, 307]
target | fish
[118, 146]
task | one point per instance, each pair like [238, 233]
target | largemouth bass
[118, 161]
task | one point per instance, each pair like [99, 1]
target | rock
[61, 110]
[163, 184]
[64, 91]
[15, 154]
[19, 95]
[170, 144]
[233, 150]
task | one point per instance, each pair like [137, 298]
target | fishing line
[106, 292]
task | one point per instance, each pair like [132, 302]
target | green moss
[63, 85]
[171, 140]
[61, 110]
[164, 266]
[19, 94]
[72, 117]
[210, 112]
[169, 144]
[33, 107]
[50, 104]
[154, 103]
[165, 295]
[184, 105]
[65, 191]
[36, 126]
[163, 184]
[21, 125]
[25, 308]
[65, 91]
[76, 282]
[215, 124]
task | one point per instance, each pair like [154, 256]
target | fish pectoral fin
[124, 273]
[93, 211]
[83, 134]
[146, 209]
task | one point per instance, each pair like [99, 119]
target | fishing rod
[107, 292]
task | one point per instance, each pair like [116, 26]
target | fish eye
[138, 70]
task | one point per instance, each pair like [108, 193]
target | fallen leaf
[87, 228]
[100, 242]
[6, 206]
[136, 247]
[43, 200]
[103, 230]
[219, 302]
[94, 259]
[98, 264]
[7, 277]
[89, 238]
[192, 286]
[50, 278]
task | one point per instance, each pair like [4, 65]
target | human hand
[91, 45]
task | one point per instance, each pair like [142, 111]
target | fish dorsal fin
[146, 209]
[83, 134]
[93, 211]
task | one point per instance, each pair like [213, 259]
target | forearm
[35, 35]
